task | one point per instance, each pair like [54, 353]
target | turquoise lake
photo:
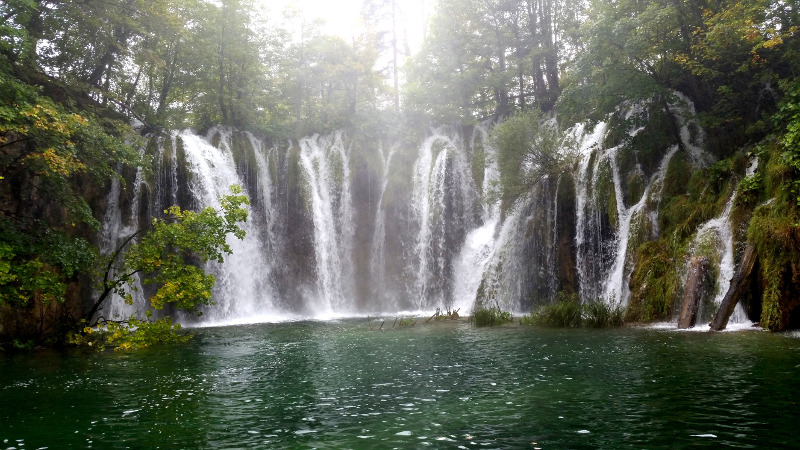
[338, 384]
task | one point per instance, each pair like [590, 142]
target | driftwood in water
[696, 285]
[439, 315]
[739, 284]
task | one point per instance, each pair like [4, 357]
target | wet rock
[698, 283]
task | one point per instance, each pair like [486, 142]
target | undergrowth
[569, 312]
[489, 317]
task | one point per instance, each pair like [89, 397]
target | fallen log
[739, 284]
[697, 282]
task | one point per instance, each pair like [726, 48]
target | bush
[600, 315]
[569, 312]
[489, 317]
[565, 313]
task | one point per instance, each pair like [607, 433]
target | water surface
[337, 384]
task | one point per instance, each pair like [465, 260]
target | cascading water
[479, 245]
[430, 240]
[326, 166]
[714, 239]
[386, 299]
[444, 202]
[617, 291]
[609, 209]
[116, 230]
[592, 253]
[241, 290]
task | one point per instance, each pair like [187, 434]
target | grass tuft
[489, 317]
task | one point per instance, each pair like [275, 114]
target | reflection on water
[337, 384]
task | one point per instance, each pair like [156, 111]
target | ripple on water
[298, 385]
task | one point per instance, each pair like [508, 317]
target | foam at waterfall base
[732, 327]
[324, 317]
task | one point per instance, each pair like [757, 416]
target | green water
[340, 385]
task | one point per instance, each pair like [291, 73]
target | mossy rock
[676, 179]
[651, 143]
[655, 282]
[478, 166]
[635, 185]
[775, 231]
[605, 193]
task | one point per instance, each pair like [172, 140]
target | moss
[655, 282]
[641, 231]
[590, 172]
[635, 185]
[605, 193]
[775, 231]
[336, 168]
[677, 176]
[709, 190]
[296, 178]
[478, 166]
[216, 139]
[653, 141]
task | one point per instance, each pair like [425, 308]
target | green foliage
[50, 157]
[655, 282]
[130, 335]
[775, 231]
[749, 189]
[529, 148]
[564, 313]
[788, 119]
[627, 51]
[168, 252]
[601, 315]
[483, 59]
[490, 317]
[739, 52]
[569, 312]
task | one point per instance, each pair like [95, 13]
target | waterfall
[386, 300]
[114, 232]
[444, 207]
[317, 245]
[241, 290]
[479, 245]
[715, 238]
[617, 290]
[591, 253]
[326, 167]
[471, 264]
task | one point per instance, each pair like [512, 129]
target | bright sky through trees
[343, 17]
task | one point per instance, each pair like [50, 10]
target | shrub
[489, 317]
[569, 312]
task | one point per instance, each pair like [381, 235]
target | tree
[741, 53]
[168, 253]
[52, 163]
[628, 54]
[529, 148]
[486, 59]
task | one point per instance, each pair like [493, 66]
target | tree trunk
[697, 284]
[739, 284]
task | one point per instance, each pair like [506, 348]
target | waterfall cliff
[339, 226]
